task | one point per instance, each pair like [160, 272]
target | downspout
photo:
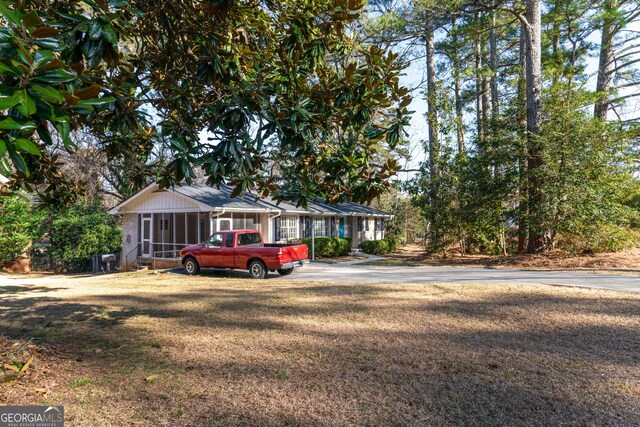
[216, 215]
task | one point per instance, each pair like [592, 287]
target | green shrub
[19, 226]
[379, 247]
[79, 233]
[597, 238]
[328, 247]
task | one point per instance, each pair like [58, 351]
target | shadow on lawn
[419, 370]
[220, 273]
[28, 288]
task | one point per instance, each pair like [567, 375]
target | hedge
[80, 232]
[329, 246]
[379, 247]
[20, 224]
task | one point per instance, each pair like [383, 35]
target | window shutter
[276, 228]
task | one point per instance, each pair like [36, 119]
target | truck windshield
[249, 239]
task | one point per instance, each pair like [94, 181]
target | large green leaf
[18, 162]
[26, 146]
[8, 102]
[3, 148]
[109, 33]
[95, 30]
[27, 105]
[7, 70]
[64, 128]
[59, 75]
[42, 57]
[48, 43]
[97, 101]
[9, 124]
[47, 93]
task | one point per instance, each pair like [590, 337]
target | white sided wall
[266, 227]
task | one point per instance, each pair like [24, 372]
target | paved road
[380, 274]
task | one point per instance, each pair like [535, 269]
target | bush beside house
[380, 247]
[327, 247]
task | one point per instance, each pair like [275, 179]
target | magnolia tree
[292, 104]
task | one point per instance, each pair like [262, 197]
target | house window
[320, 226]
[239, 221]
[366, 224]
[289, 228]
[360, 224]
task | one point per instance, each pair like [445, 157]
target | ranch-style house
[157, 223]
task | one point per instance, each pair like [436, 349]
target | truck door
[211, 254]
[228, 250]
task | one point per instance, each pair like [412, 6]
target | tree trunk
[493, 64]
[535, 161]
[479, 112]
[486, 104]
[521, 117]
[432, 119]
[432, 113]
[457, 85]
[605, 74]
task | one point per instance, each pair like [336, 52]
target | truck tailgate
[294, 253]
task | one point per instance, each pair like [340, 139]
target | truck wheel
[285, 271]
[257, 269]
[191, 266]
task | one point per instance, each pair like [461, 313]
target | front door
[341, 227]
[147, 246]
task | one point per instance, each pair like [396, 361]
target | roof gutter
[217, 214]
[276, 215]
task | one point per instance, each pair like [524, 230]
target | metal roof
[221, 199]
[351, 208]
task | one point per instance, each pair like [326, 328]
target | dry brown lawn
[624, 262]
[139, 348]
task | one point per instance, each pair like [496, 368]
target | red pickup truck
[243, 249]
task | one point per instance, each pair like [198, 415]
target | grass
[80, 382]
[146, 349]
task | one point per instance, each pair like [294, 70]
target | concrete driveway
[340, 273]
